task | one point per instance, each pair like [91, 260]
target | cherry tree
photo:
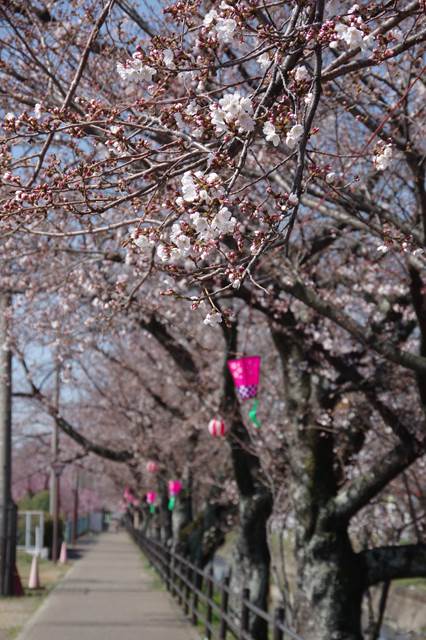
[240, 156]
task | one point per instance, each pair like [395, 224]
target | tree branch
[299, 290]
[394, 562]
[359, 492]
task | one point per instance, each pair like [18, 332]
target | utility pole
[55, 474]
[7, 506]
[74, 533]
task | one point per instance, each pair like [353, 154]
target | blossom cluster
[135, 67]
[233, 110]
[223, 27]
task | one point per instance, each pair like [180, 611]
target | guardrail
[206, 601]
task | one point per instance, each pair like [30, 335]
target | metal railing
[205, 600]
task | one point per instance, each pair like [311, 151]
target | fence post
[245, 614]
[209, 612]
[167, 569]
[187, 587]
[279, 618]
[172, 573]
[178, 580]
[224, 602]
[195, 583]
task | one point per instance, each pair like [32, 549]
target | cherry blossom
[135, 67]
[383, 158]
[294, 135]
[233, 109]
[270, 133]
[212, 319]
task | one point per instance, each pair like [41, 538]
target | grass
[15, 612]
[418, 583]
[157, 583]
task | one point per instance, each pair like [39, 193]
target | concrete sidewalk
[108, 595]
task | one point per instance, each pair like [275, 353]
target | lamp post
[57, 468]
[7, 506]
[54, 474]
[74, 532]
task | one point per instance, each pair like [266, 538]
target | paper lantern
[217, 428]
[151, 497]
[130, 498]
[175, 487]
[151, 466]
[245, 373]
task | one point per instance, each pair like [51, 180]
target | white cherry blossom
[192, 108]
[210, 17]
[225, 28]
[294, 135]
[189, 189]
[212, 319]
[301, 74]
[270, 133]
[135, 66]
[383, 159]
[201, 225]
[352, 36]
[233, 108]
[224, 222]
[143, 242]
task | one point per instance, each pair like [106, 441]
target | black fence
[206, 601]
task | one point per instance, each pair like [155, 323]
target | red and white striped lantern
[151, 466]
[217, 428]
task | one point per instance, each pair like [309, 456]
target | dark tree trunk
[251, 558]
[203, 536]
[330, 588]
[181, 516]
[330, 583]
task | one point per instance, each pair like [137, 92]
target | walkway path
[108, 595]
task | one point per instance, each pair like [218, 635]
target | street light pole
[54, 475]
[74, 533]
[7, 506]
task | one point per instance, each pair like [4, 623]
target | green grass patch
[418, 583]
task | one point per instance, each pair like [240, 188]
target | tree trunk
[330, 588]
[250, 564]
[330, 583]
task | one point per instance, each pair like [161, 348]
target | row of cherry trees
[209, 180]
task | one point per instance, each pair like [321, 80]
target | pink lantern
[175, 487]
[245, 372]
[217, 427]
[130, 498]
[151, 466]
[151, 497]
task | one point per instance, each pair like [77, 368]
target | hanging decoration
[245, 373]
[152, 466]
[151, 497]
[217, 428]
[129, 498]
[175, 487]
